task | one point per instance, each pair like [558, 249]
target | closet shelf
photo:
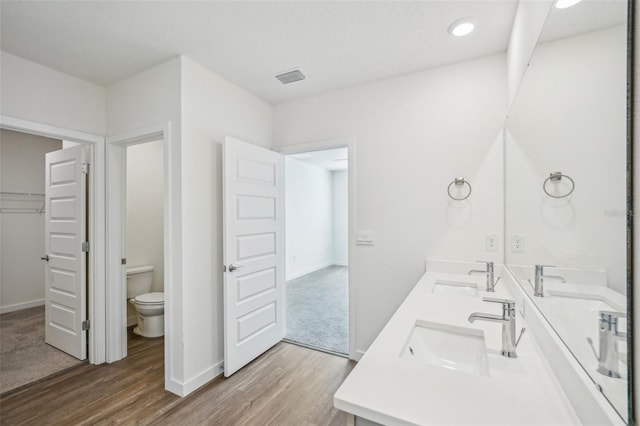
[22, 202]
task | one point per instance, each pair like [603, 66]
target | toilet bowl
[150, 314]
[149, 305]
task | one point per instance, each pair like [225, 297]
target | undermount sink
[591, 301]
[447, 346]
[455, 287]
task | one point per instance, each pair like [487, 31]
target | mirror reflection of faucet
[609, 339]
[538, 286]
[491, 284]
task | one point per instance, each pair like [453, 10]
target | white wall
[527, 25]
[145, 198]
[414, 135]
[212, 108]
[568, 131]
[149, 98]
[340, 217]
[22, 169]
[30, 91]
[309, 217]
[202, 109]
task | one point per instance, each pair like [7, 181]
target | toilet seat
[153, 298]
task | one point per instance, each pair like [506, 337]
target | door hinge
[123, 261]
[86, 324]
[86, 168]
[86, 246]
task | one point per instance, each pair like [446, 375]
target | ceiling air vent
[290, 76]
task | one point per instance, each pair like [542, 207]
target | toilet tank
[139, 279]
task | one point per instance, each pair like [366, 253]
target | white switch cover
[365, 238]
[491, 242]
[517, 244]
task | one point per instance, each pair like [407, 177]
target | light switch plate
[365, 238]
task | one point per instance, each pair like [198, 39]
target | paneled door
[253, 252]
[65, 233]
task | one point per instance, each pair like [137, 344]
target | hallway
[318, 310]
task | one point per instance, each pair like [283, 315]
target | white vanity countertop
[388, 389]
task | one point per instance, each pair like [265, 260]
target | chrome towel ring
[459, 182]
[556, 177]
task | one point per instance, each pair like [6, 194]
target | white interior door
[65, 232]
[253, 252]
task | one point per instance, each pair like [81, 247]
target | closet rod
[30, 194]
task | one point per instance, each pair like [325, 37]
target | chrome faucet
[508, 321]
[491, 285]
[609, 338]
[538, 289]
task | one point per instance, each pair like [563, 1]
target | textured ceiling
[337, 44]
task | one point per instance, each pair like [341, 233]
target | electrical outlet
[517, 244]
[491, 242]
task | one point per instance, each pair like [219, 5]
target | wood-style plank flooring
[288, 385]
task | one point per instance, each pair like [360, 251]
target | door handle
[46, 257]
[233, 267]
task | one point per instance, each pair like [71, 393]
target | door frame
[96, 283]
[350, 144]
[116, 218]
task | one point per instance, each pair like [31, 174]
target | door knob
[232, 267]
[46, 257]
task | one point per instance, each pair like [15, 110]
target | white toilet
[149, 305]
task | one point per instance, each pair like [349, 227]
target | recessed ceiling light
[462, 27]
[563, 4]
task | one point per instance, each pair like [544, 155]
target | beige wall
[22, 169]
[145, 204]
[145, 197]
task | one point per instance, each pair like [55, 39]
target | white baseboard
[20, 306]
[173, 387]
[184, 389]
[357, 355]
[345, 263]
[308, 271]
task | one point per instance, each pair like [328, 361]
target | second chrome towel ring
[458, 182]
[556, 177]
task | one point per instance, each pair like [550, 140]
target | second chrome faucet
[538, 288]
[491, 284]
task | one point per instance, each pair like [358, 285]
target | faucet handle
[540, 267]
[487, 262]
[611, 316]
[505, 302]
[508, 306]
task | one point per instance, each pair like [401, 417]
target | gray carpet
[318, 310]
[24, 356]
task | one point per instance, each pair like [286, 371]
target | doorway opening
[144, 242]
[38, 272]
[116, 239]
[317, 248]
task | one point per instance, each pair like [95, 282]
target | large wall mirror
[566, 182]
